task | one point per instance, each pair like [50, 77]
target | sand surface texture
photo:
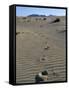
[40, 45]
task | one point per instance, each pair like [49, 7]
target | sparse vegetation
[40, 19]
[28, 20]
[57, 20]
[44, 18]
[23, 17]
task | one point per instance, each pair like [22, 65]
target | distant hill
[36, 15]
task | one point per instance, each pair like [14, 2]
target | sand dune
[37, 39]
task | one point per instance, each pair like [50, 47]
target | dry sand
[36, 39]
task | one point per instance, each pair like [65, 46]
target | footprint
[46, 48]
[43, 59]
[55, 74]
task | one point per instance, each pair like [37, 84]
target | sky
[25, 11]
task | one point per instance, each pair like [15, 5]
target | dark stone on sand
[44, 73]
[38, 79]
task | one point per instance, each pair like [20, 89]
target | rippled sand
[37, 39]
